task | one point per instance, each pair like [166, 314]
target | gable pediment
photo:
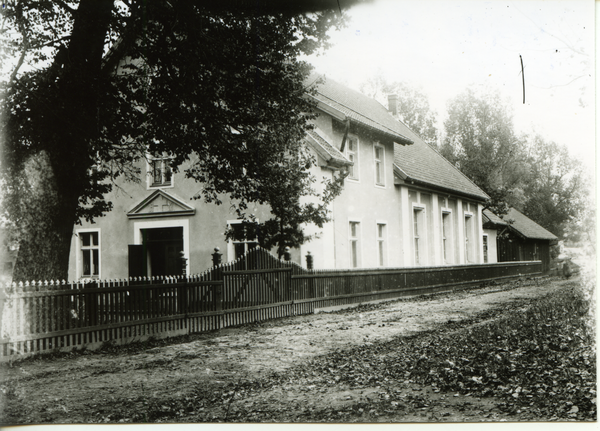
[160, 204]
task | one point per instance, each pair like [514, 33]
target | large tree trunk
[46, 224]
[50, 205]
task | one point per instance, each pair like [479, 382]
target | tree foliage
[413, 106]
[295, 200]
[536, 176]
[479, 139]
[221, 87]
[555, 187]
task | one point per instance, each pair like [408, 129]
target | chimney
[393, 104]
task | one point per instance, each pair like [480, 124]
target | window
[89, 246]
[379, 157]
[468, 235]
[485, 249]
[354, 244]
[352, 152]
[446, 232]
[160, 172]
[418, 235]
[381, 243]
[246, 239]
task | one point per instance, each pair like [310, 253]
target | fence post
[182, 297]
[2, 300]
[217, 304]
[309, 260]
[183, 262]
[216, 257]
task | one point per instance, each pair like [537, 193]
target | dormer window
[160, 173]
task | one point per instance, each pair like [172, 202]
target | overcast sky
[444, 46]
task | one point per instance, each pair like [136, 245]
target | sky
[444, 46]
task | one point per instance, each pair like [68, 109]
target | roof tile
[358, 107]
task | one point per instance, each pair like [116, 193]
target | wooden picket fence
[42, 317]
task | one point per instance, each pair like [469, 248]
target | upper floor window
[160, 172]
[379, 159]
[352, 153]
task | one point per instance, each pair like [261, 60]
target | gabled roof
[326, 149]
[490, 217]
[414, 160]
[421, 164]
[160, 204]
[522, 224]
[344, 103]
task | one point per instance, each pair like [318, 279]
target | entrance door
[163, 248]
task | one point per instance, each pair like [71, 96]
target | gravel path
[99, 386]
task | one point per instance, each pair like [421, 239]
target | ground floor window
[354, 244]
[469, 255]
[89, 254]
[485, 249]
[418, 235]
[245, 239]
[446, 237]
[381, 246]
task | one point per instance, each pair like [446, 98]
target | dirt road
[228, 374]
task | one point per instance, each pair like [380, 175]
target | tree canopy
[555, 187]
[536, 176]
[108, 82]
[479, 139]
